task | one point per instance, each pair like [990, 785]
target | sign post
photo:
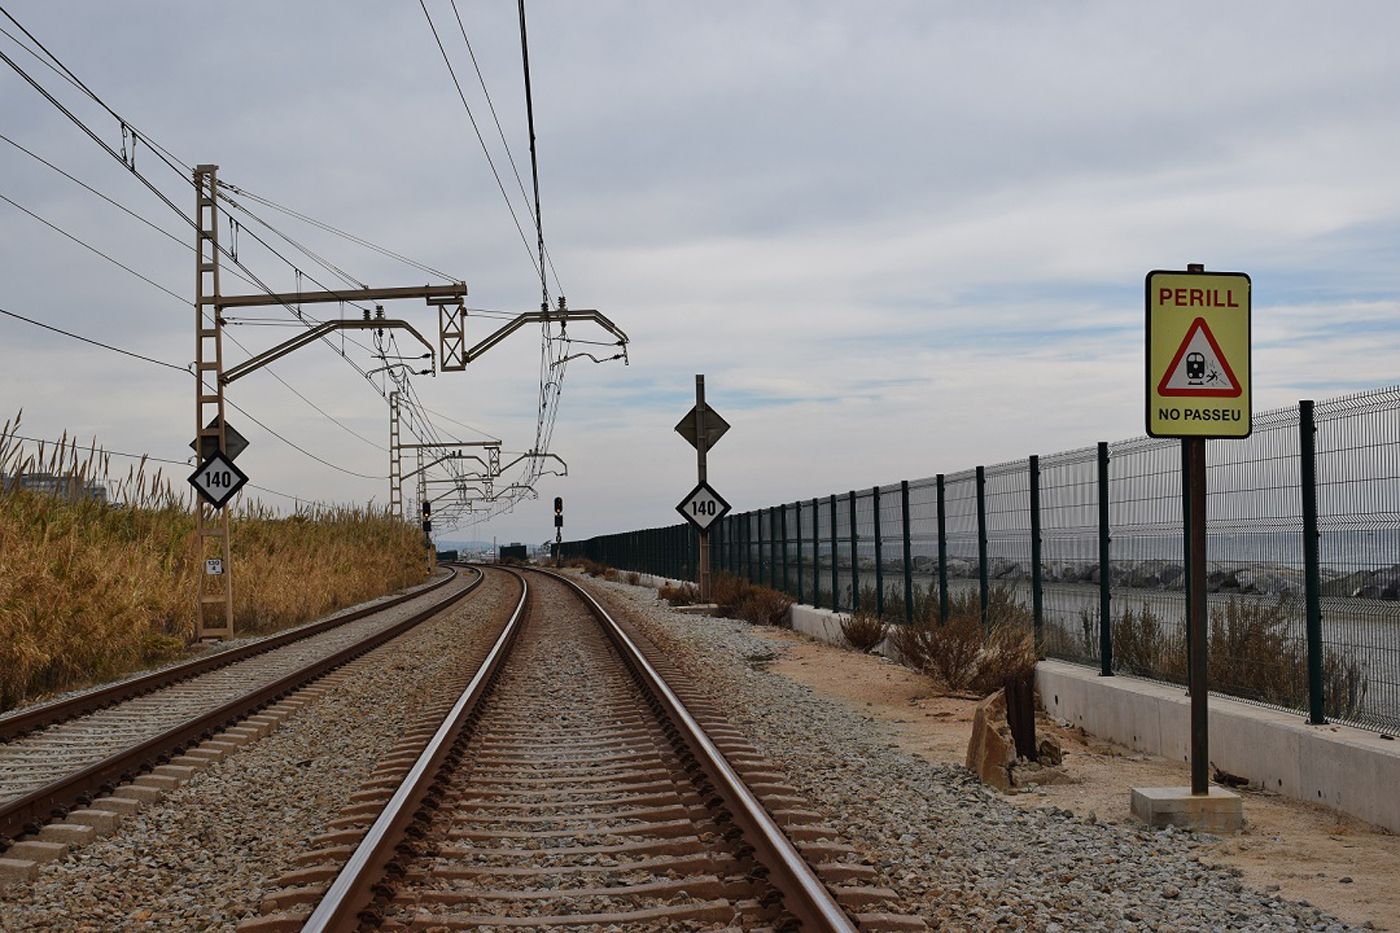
[703, 427]
[1198, 387]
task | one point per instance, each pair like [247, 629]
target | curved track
[107, 736]
[570, 786]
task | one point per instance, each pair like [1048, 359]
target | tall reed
[91, 589]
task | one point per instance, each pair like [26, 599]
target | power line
[96, 343]
[94, 249]
[479, 138]
[328, 228]
[481, 79]
[154, 459]
[182, 369]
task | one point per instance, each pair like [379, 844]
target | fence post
[1312, 579]
[855, 555]
[879, 555]
[816, 554]
[1037, 583]
[908, 553]
[983, 588]
[835, 568]
[1105, 575]
[782, 521]
[759, 523]
[942, 556]
[797, 534]
[773, 547]
[748, 547]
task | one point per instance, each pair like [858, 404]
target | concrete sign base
[1221, 812]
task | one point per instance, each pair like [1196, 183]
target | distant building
[65, 487]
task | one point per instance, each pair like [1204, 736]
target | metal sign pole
[702, 446]
[1196, 609]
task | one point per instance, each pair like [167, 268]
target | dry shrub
[863, 630]
[634, 578]
[737, 598]
[686, 594]
[1142, 646]
[764, 606]
[91, 590]
[1008, 653]
[728, 591]
[947, 652]
[960, 654]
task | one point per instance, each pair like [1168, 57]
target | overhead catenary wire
[169, 365]
[480, 139]
[182, 168]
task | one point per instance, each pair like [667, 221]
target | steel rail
[18, 724]
[352, 890]
[805, 897]
[34, 808]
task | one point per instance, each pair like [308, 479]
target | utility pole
[214, 617]
[395, 459]
[451, 355]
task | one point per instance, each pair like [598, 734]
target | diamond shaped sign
[703, 507]
[234, 443]
[715, 426]
[217, 479]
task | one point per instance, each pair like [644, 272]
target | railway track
[569, 785]
[61, 755]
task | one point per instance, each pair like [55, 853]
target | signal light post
[558, 527]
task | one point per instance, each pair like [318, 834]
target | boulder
[992, 751]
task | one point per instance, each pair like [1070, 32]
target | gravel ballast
[957, 853]
[204, 855]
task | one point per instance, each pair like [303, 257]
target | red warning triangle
[1199, 369]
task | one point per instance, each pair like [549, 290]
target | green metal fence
[1085, 548]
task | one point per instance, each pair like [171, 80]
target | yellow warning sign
[1198, 354]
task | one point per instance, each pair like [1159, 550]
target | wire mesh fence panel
[818, 531]
[792, 550]
[1147, 567]
[1255, 583]
[923, 546]
[1007, 497]
[1069, 554]
[1358, 493]
[865, 550]
[843, 553]
[960, 522]
[892, 551]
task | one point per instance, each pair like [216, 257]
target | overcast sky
[898, 238]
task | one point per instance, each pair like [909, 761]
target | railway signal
[558, 527]
[702, 427]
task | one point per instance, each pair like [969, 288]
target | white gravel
[958, 854]
[202, 857]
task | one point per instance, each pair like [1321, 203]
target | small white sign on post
[214, 566]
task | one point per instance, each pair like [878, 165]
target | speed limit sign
[703, 507]
[217, 479]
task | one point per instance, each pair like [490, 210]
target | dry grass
[90, 590]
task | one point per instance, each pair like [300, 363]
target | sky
[898, 238]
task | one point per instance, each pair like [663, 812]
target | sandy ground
[1346, 867]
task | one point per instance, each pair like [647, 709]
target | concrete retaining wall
[1354, 771]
